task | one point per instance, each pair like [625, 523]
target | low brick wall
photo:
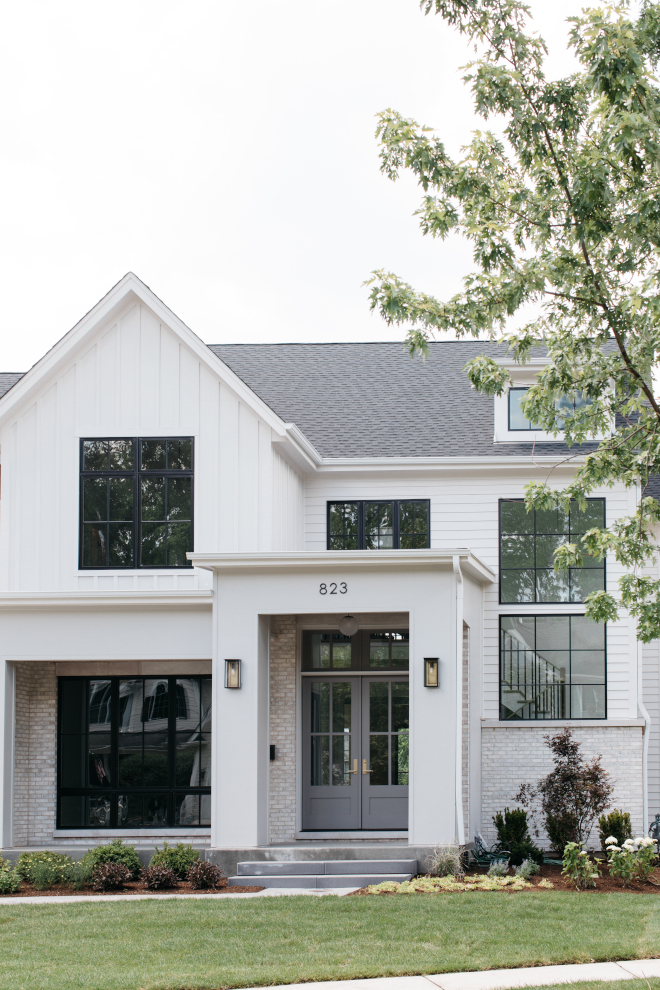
[512, 756]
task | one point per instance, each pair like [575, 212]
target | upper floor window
[528, 541]
[517, 419]
[400, 525]
[136, 502]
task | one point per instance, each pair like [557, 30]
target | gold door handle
[355, 767]
[364, 767]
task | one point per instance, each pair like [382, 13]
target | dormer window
[519, 422]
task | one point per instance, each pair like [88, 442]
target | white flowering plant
[578, 867]
[635, 859]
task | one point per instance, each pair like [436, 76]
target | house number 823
[332, 588]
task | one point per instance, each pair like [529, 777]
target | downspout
[460, 817]
[645, 740]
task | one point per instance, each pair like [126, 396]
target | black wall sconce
[431, 672]
[272, 752]
[232, 673]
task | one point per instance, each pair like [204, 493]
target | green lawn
[195, 944]
[652, 984]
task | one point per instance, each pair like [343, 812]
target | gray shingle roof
[9, 378]
[373, 400]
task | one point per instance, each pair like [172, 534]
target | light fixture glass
[232, 673]
[348, 625]
[431, 672]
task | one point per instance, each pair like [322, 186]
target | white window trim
[504, 435]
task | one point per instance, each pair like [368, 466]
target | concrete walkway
[498, 979]
[85, 898]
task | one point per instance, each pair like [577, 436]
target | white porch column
[7, 675]
[239, 781]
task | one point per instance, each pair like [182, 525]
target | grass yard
[205, 945]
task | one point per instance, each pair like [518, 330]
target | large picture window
[399, 525]
[552, 667]
[528, 541]
[136, 502]
[134, 752]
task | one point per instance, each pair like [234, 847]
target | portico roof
[311, 560]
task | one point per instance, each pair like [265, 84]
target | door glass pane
[320, 761]
[341, 707]
[400, 761]
[378, 759]
[378, 705]
[341, 759]
[399, 706]
[320, 706]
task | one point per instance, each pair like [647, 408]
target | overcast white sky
[225, 153]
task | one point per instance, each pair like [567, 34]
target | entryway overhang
[439, 590]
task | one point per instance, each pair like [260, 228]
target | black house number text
[333, 588]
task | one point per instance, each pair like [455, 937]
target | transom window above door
[136, 502]
[365, 651]
[386, 525]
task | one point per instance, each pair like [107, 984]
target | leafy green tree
[562, 208]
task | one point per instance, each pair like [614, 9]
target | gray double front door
[355, 752]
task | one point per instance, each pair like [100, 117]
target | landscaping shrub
[578, 867]
[203, 875]
[79, 875]
[179, 858]
[10, 881]
[498, 869]
[43, 868]
[634, 860]
[158, 877]
[528, 868]
[114, 852]
[572, 796]
[446, 861]
[514, 838]
[110, 876]
[617, 825]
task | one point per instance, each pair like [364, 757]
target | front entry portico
[418, 767]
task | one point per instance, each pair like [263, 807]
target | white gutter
[645, 739]
[460, 811]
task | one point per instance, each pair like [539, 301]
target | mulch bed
[604, 884]
[134, 887]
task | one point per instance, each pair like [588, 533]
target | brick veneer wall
[282, 810]
[34, 753]
[511, 756]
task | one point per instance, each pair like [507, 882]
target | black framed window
[366, 650]
[136, 502]
[566, 405]
[379, 525]
[528, 541]
[134, 752]
[552, 667]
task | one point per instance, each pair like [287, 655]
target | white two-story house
[266, 597]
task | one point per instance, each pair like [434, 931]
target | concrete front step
[317, 881]
[328, 867]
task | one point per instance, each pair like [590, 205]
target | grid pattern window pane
[379, 525]
[566, 406]
[528, 541]
[134, 751]
[552, 667]
[136, 502]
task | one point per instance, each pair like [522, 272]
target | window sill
[532, 723]
[127, 833]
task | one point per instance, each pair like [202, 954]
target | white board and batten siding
[138, 378]
[464, 514]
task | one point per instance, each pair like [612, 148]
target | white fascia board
[64, 600]
[130, 288]
[295, 446]
[333, 465]
[305, 560]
